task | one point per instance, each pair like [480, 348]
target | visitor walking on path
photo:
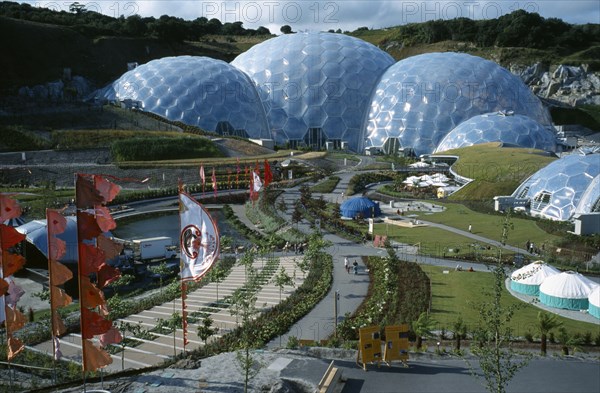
[346, 265]
[470, 228]
[355, 265]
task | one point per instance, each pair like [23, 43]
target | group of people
[348, 267]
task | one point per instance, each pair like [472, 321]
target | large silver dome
[315, 87]
[199, 91]
[567, 184]
[421, 98]
[517, 130]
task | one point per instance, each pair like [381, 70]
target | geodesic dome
[315, 87]
[198, 91]
[569, 290]
[528, 279]
[556, 190]
[360, 205]
[422, 98]
[508, 128]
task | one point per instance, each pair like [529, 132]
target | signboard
[396, 343]
[369, 349]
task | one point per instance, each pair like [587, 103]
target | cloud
[317, 15]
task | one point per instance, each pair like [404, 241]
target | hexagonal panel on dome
[315, 60]
[511, 129]
[458, 86]
[557, 189]
[199, 91]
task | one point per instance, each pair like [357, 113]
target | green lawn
[326, 186]
[435, 241]
[496, 170]
[489, 225]
[458, 293]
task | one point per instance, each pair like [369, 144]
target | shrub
[161, 148]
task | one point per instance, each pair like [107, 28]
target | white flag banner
[198, 239]
[257, 182]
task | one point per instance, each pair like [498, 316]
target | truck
[154, 248]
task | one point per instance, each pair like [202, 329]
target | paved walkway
[200, 303]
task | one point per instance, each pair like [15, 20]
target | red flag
[9, 237]
[59, 298]
[11, 263]
[110, 247]
[86, 195]
[15, 346]
[107, 189]
[237, 175]
[9, 208]
[90, 296]
[214, 181]
[15, 320]
[94, 324]
[107, 274]
[268, 174]
[56, 224]
[87, 226]
[111, 337]
[104, 219]
[60, 273]
[94, 358]
[3, 288]
[91, 258]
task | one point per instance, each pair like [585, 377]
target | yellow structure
[369, 346]
[396, 344]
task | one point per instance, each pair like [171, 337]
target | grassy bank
[457, 294]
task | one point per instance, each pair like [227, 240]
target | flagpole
[52, 309]
[183, 294]
[80, 289]
[5, 305]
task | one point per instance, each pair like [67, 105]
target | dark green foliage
[517, 29]
[358, 183]
[91, 23]
[159, 148]
[16, 138]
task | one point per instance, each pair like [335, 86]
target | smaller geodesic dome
[506, 127]
[360, 206]
[569, 290]
[195, 90]
[527, 280]
[556, 191]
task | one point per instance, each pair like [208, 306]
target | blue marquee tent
[360, 205]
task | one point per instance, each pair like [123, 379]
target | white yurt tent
[568, 290]
[594, 300]
[527, 280]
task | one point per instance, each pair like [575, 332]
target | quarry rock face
[572, 85]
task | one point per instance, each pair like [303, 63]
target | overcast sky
[318, 15]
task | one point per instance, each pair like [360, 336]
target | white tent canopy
[568, 285]
[534, 274]
[594, 297]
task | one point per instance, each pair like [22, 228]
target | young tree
[217, 274]
[281, 279]
[297, 214]
[205, 331]
[243, 305]
[546, 323]
[498, 362]
[459, 329]
[423, 327]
